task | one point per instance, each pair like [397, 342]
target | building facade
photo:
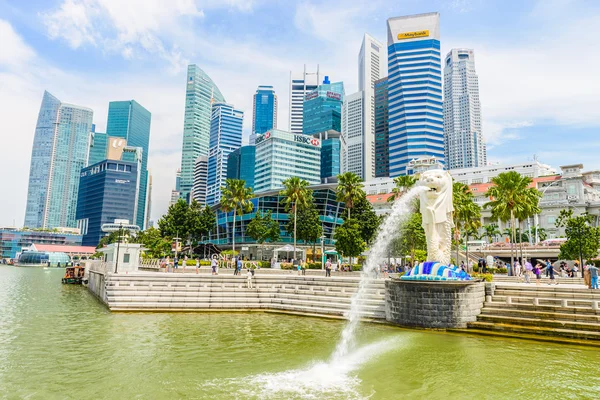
[200, 180]
[382, 133]
[323, 108]
[281, 155]
[59, 152]
[300, 85]
[264, 111]
[353, 132]
[225, 137]
[108, 191]
[98, 146]
[371, 58]
[333, 151]
[200, 94]
[331, 214]
[464, 146]
[484, 174]
[416, 118]
[12, 241]
[130, 121]
[240, 165]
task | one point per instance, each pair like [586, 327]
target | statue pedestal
[433, 304]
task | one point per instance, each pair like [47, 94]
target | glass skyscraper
[240, 164]
[416, 119]
[265, 111]
[129, 120]
[225, 137]
[60, 151]
[382, 155]
[98, 145]
[323, 108]
[200, 94]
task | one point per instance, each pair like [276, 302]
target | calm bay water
[58, 342]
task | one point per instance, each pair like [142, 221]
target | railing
[563, 302]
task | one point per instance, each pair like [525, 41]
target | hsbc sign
[304, 139]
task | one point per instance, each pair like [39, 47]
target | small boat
[74, 275]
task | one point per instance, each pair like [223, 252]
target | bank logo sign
[413, 35]
[304, 139]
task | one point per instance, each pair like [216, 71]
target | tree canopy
[235, 196]
[369, 221]
[402, 184]
[348, 241]
[263, 228]
[188, 222]
[582, 237]
[349, 189]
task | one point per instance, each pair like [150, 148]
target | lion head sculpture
[436, 203]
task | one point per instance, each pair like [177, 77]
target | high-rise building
[148, 201]
[201, 93]
[464, 143]
[60, 151]
[281, 155]
[264, 111]
[240, 165]
[300, 85]
[333, 151]
[107, 191]
[416, 120]
[322, 109]
[225, 136]
[370, 69]
[200, 179]
[130, 121]
[382, 155]
[353, 125]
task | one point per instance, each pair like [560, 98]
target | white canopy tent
[288, 249]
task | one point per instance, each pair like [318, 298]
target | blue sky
[537, 63]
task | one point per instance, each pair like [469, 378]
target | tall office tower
[130, 121]
[353, 130]
[382, 155]
[323, 120]
[264, 111]
[464, 146]
[200, 179]
[240, 165]
[302, 159]
[98, 146]
[370, 69]
[109, 190]
[300, 85]
[200, 94]
[416, 119]
[225, 136]
[60, 151]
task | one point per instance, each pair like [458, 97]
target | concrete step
[527, 336]
[550, 301]
[539, 322]
[547, 291]
[504, 278]
[535, 330]
[517, 312]
[542, 308]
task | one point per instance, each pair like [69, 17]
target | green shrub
[316, 265]
[485, 277]
[355, 267]
[264, 264]
[286, 266]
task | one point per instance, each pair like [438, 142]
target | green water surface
[58, 342]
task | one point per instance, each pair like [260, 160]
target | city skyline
[517, 106]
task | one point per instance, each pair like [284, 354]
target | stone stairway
[542, 313]
[544, 280]
[307, 295]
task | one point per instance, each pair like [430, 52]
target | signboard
[413, 35]
[311, 95]
[304, 139]
[115, 148]
[334, 95]
[122, 181]
[261, 138]
[244, 249]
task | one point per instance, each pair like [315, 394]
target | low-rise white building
[532, 169]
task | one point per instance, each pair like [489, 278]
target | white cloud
[14, 50]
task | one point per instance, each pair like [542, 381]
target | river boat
[74, 275]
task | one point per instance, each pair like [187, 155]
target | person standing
[538, 273]
[518, 270]
[197, 265]
[213, 265]
[249, 279]
[587, 278]
[328, 268]
[175, 264]
[239, 266]
[528, 271]
[550, 272]
[593, 276]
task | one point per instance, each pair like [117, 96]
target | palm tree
[295, 195]
[403, 184]
[511, 197]
[467, 214]
[235, 196]
[349, 189]
[491, 231]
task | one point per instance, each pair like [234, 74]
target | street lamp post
[322, 251]
[118, 246]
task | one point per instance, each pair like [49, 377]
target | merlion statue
[437, 209]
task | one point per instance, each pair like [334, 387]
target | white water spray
[401, 210]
